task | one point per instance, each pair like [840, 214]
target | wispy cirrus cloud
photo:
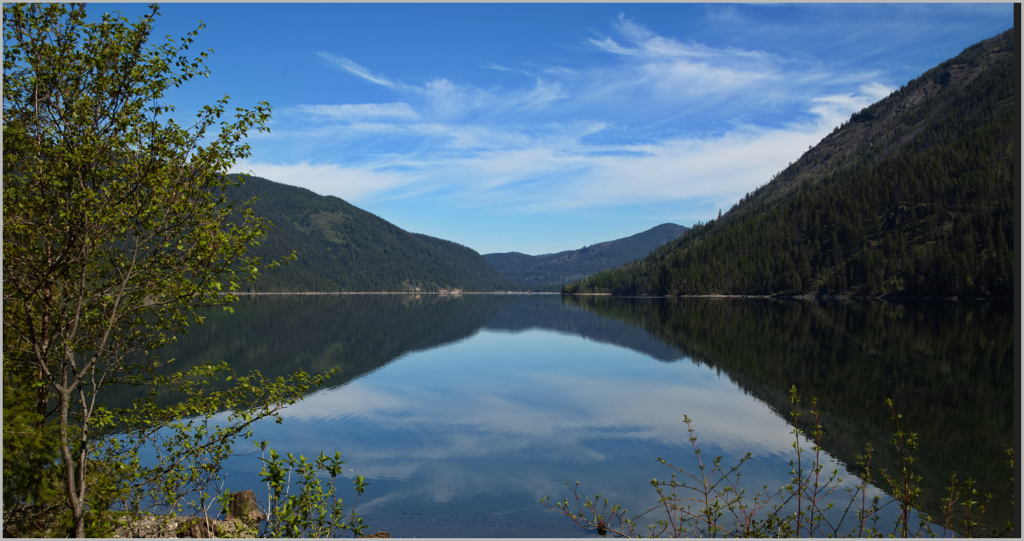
[326, 178]
[360, 111]
[560, 169]
[449, 100]
[835, 109]
[355, 69]
[660, 121]
[644, 43]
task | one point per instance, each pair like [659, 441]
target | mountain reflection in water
[467, 409]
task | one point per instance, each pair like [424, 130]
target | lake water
[462, 412]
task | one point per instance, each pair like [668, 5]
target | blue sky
[545, 127]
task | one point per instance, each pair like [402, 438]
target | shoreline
[807, 297]
[451, 293]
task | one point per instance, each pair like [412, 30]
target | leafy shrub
[711, 503]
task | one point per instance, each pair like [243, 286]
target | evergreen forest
[913, 196]
[340, 247]
[548, 272]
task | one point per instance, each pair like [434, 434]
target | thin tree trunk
[77, 510]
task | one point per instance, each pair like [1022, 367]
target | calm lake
[462, 412]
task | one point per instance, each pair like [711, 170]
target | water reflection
[474, 407]
[515, 415]
[948, 367]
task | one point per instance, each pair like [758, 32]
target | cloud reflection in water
[523, 412]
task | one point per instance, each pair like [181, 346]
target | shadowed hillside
[912, 196]
[341, 247]
[549, 271]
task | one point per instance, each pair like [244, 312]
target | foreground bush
[711, 503]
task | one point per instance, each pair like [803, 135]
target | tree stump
[243, 506]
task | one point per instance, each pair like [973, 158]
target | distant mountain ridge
[913, 196]
[550, 271]
[341, 247]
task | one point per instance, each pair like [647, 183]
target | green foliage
[168, 461]
[714, 504]
[116, 230]
[913, 197]
[184, 445]
[341, 247]
[29, 454]
[548, 272]
[189, 446]
[315, 510]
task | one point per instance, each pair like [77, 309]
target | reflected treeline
[279, 334]
[948, 366]
[551, 314]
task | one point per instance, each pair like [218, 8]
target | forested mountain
[341, 247]
[912, 196]
[550, 271]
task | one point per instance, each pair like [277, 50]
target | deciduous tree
[116, 228]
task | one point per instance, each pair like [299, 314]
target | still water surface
[462, 412]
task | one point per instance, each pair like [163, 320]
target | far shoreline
[449, 293]
[806, 297]
[895, 298]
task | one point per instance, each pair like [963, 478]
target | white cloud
[634, 32]
[349, 183]
[688, 168]
[443, 99]
[471, 137]
[482, 164]
[567, 139]
[874, 91]
[499, 420]
[836, 109]
[609, 45]
[356, 69]
[663, 74]
[697, 78]
[650, 45]
[471, 416]
[543, 93]
[352, 111]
